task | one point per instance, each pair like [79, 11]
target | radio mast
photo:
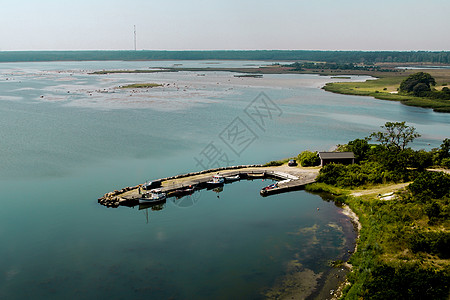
[135, 38]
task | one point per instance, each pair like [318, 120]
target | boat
[232, 178]
[153, 196]
[270, 187]
[256, 175]
[266, 189]
[216, 180]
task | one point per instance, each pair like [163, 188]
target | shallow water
[68, 137]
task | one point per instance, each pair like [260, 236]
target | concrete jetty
[290, 178]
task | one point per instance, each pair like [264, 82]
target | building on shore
[345, 158]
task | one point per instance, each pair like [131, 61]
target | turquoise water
[68, 137]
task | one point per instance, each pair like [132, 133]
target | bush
[354, 175]
[274, 163]
[420, 159]
[308, 159]
[437, 243]
[445, 162]
[432, 184]
[405, 282]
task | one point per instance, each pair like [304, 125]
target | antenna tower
[135, 38]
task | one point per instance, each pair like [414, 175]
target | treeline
[300, 66]
[367, 57]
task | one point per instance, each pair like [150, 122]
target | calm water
[68, 137]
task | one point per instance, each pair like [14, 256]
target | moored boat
[216, 180]
[256, 175]
[153, 196]
[232, 178]
[265, 190]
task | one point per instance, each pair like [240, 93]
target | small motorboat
[266, 189]
[232, 178]
[153, 196]
[216, 180]
[256, 175]
[270, 187]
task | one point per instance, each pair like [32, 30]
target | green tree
[444, 151]
[308, 159]
[431, 184]
[417, 83]
[359, 147]
[396, 135]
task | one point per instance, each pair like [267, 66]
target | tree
[432, 184]
[444, 151]
[420, 89]
[308, 159]
[417, 83]
[360, 147]
[396, 135]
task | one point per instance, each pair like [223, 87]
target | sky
[224, 25]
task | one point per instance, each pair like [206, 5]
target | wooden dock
[292, 185]
[288, 181]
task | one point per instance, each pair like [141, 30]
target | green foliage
[354, 175]
[417, 83]
[367, 57]
[359, 147]
[395, 135]
[437, 100]
[300, 66]
[445, 162]
[431, 185]
[389, 229]
[323, 188]
[442, 156]
[141, 85]
[410, 281]
[437, 243]
[275, 163]
[308, 159]
[419, 159]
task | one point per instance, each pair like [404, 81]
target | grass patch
[385, 89]
[141, 86]
[319, 187]
[276, 163]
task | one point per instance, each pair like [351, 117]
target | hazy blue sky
[232, 24]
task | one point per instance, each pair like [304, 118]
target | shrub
[308, 159]
[445, 162]
[433, 184]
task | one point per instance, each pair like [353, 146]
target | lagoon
[68, 137]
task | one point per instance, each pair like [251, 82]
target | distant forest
[367, 57]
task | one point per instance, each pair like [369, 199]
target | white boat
[232, 178]
[153, 196]
[216, 180]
